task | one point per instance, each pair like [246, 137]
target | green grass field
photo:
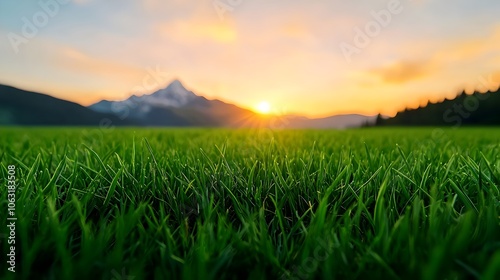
[396, 203]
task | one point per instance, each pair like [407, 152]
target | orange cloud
[196, 31]
[403, 71]
[74, 60]
[472, 48]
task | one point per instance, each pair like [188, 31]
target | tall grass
[236, 204]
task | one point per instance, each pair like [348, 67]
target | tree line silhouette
[474, 109]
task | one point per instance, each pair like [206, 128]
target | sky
[314, 58]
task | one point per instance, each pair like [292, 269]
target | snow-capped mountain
[177, 106]
[175, 95]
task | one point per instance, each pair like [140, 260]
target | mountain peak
[174, 95]
[175, 88]
[176, 83]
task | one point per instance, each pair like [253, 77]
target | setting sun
[264, 107]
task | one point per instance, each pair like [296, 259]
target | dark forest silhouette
[475, 109]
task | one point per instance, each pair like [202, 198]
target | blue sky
[285, 52]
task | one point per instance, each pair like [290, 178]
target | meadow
[391, 203]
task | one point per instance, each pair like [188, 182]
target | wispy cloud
[198, 31]
[79, 63]
[404, 71]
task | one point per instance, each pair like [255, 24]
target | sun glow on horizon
[301, 60]
[264, 107]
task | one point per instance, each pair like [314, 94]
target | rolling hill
[20, 107]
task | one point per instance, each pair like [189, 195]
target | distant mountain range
[177, 106]
[171, 106]
[474, 109]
